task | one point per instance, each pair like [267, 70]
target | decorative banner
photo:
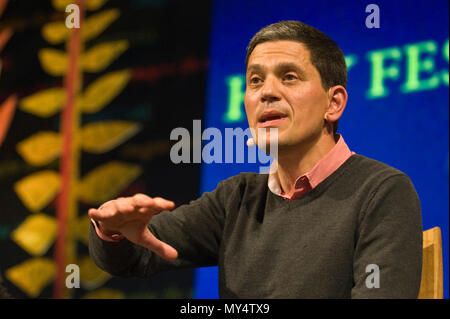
[51, 152]
[42, 148]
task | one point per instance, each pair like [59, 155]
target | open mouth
[270, 118]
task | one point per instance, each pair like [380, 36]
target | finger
[142, 201]
[125, 205]
[95, 214]
[92, 212]
[163, 250]
[104, 212]
[154, 205]
[107, 204]
[163, 204]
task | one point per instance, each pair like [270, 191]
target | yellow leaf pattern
[32, 275]
[103, 136]
[102, 55]
[101, 92]
[55, 32]
[36, 234]
[107, 181]
[96, 23]
[44, 103]
[40, 148]
[37, 190]
[54, 62]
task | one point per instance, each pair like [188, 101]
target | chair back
[432, 284]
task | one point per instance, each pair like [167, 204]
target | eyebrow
[255, 68]
[279, 68]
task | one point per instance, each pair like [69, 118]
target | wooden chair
[432, 284]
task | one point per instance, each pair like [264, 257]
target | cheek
[307, 109]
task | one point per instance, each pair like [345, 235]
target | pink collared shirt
[323, 168]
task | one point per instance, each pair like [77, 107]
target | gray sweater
[362, 221]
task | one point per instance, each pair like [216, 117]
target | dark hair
[326, 56]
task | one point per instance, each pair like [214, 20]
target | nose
[270, 91]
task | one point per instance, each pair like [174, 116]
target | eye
[255, 80]
[290, 77]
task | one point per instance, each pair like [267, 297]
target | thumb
[163, 250]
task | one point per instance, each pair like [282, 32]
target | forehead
[274, 52]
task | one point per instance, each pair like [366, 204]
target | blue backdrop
[397, 83]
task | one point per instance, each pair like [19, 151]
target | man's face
[284, 91]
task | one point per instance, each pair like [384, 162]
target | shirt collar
[323, 168]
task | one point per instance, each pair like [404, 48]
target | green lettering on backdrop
[236, 94]
[415, 66]
[445, 72]
[350, 60]
[379, 73]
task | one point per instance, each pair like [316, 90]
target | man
[328, 223]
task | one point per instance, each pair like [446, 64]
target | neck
[298, 160]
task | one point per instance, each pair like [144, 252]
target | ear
[337, 97]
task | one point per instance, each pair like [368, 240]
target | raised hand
[130, 217]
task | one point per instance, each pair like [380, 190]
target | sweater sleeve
[388, 252]
[194, 230]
